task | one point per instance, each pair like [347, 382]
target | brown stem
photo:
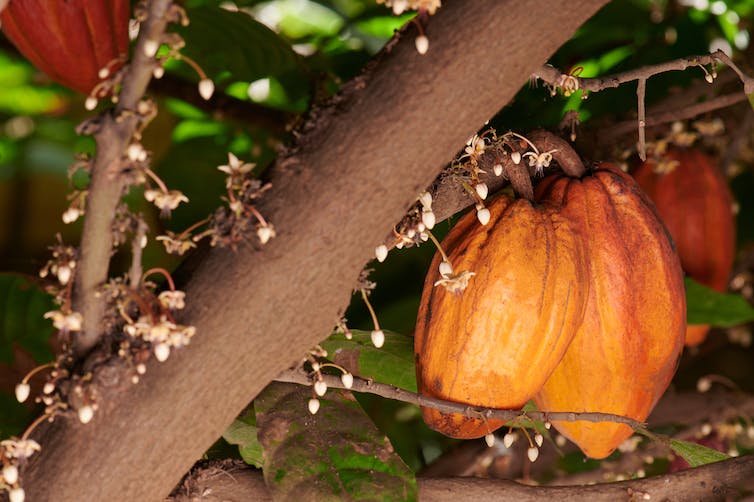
[107, 185]
[398, 394]
[562, 152]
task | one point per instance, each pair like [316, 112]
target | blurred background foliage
[270, 60]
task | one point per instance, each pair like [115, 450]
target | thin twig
[641, 90]
[113, 136]
[368, 386]
[684, 113]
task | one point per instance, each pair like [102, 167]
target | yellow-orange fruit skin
[695, 203]
[495, 343]
[626, 351]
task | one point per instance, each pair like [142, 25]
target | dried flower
[175, 243]
[456, 283]
[166, 201]
[65, 322]
[175, 300]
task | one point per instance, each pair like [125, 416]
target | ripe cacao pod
[69, 40]
[495, 343]
[626, 350]
[695, 203]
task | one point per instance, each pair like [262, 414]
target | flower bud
[509, 438]
[490, 440]
[483, 215]
[538, 439]
[428, 218]
[206, 88]
[446, 269]
[497, 169]
[90, 103]
[347, 379]
[10, 474]
[378, 338]
[17, 495]
[86, 413]
[422, 44]
[482, 190]
[162, 352]
[516, 157]
[532, 453]
[380, 252]
[22, 392]
[313, 406]
[320, 388]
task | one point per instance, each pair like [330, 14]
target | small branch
[641, 90]
[368, 386]
[113, 136]
[684, 113]
[555, 77]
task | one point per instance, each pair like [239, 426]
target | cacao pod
[695, 203]
[495, 343]
[626, 350]
[69, 40]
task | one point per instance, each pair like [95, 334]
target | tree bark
[332, 202]
[712, 482]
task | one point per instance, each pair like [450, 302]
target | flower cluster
[14, 453]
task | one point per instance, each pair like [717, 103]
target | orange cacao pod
[695, 203]
[69, 40]
[495, 343]
[626, 350]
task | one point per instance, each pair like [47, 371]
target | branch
[391, 392]
[716, 481]
[571, 83]
[355, 171]
[113, 136]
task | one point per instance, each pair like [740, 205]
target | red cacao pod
[626, 350]
[495, 343]
[69, 40]
[695, 203]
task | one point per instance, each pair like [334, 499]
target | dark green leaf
[245, 436]
[22, 307]
[336, 454]
[707, 306]
[392, 364]
[222, 41]
[696, 454]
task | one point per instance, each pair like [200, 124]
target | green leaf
[392, 364]
[222, 41]
[696, 454]
[336, 454]
[245, 436]
[22, 309]
[707, 306]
